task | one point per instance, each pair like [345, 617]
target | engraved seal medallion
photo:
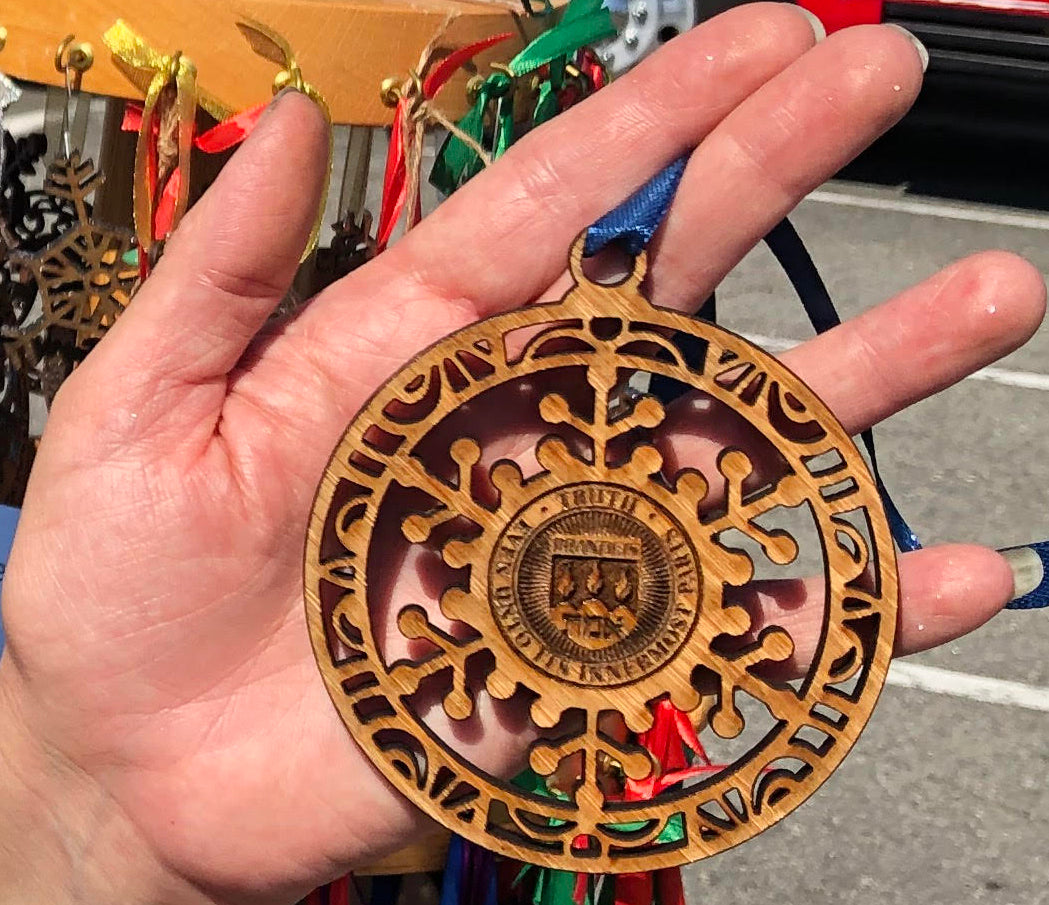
[594, 584]
[505, 535]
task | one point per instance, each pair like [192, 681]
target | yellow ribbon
[153, 72]
[140, 63]
[273, 47]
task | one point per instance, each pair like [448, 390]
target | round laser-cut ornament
[584, 581]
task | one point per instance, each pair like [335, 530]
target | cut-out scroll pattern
[662, 548]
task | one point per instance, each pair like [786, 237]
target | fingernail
[1028, 570]
[280, 95]
[814, 22]
[923, 54]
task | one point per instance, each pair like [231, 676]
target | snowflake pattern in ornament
[83, 277]
[593, 584]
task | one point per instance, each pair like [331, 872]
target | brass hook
[394, 89]
[73, 60]
[390, 91]
[3, 37]
[291, 77]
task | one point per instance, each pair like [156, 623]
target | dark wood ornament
[352, 246]
[593, 583]
[83, 280]
[19, 213]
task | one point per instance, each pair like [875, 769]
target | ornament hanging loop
[390, 91]
[632, 281]
[72, 60]
[290, 78]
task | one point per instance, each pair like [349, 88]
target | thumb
[225, 269]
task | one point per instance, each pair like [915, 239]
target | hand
[166, 734]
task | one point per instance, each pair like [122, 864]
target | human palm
[158, 655]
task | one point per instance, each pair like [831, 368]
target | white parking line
[962, 685]
[974, 213]
[1027, 380]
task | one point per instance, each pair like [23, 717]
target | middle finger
[787, 138]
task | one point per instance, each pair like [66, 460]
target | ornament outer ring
[752, 793]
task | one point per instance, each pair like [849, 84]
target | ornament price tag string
[412, 100]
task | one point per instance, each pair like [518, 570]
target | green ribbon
[556, 887]
[546, 104]
[456, 161]
[584, 22]
[552, 887]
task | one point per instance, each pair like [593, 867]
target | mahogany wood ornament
[587, 582]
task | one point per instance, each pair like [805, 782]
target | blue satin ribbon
[469, 875]
[636, 220]
[632, 225]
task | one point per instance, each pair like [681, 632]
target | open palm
[159, 665]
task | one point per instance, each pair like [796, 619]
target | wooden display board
[345, 47]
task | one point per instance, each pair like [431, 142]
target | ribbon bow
[165, 139]
[414, 110]
[166, 125]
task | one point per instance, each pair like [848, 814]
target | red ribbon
[672, 733]
[230, 132]
[227, 134]
[395, 181]
[671, 736]
[339, 891]
[591, 67]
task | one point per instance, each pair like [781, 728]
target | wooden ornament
[352, 246]
[24, 219]
[82, 275]
[594, 581]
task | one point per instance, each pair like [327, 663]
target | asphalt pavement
[944, 799]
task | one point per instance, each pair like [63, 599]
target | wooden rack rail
[345, 47]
